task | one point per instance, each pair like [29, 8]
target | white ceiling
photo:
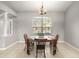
[20, 6]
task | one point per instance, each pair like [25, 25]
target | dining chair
[53, 44]
[40, 45]
[27, 44]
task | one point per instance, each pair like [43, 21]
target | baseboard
[20, 41]
[11, 45]
[71, 46]
[8, 46]
[2, 48]
[60, 41]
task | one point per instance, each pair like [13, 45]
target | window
[41, 25]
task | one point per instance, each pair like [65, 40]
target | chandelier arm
[42, 12]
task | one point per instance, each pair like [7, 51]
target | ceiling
[21, 6]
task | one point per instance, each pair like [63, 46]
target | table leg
[54, 50]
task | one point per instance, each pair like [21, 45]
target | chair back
[40, 45]
[57, 36]
[40, 41]
[26, 40]
[55, 40]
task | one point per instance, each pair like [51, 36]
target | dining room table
[49, 38]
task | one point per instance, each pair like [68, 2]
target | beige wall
[72, 24]
[24, 23]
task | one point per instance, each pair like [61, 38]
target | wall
[12, 38]
[1, 24]
[24, 23]
[6, 40]
[2, 42]
[72, 25]
[7, 9]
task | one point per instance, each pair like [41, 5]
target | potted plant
[40, 34]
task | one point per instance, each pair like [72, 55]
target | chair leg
[44, 54]
[28, 51]
[36, 53]
[24, 48]
[54, 50]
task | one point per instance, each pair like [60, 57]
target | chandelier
[42, 11]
